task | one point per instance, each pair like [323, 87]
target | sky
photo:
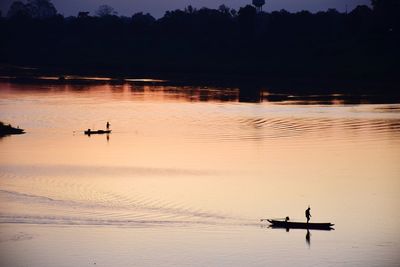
[157, 7]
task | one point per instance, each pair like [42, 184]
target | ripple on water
[98, 207]
[302, 129]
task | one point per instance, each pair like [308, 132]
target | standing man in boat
[308, 214]
[108, 126]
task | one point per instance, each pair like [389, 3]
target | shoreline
[244, 89]
[274, 83]
[7, 129]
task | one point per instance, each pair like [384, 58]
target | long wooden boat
[300, 225]
[89, 132]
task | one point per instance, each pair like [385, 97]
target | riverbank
[277, 83]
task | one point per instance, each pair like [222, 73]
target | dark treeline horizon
[360, 44]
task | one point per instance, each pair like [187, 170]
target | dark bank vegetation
[7, 129]
[360, 45]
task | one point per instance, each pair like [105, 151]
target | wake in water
[117, 210]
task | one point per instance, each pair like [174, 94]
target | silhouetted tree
[38, 9]
[386, 6]
[143, 18]
[224, 10]
[142, 21]
[189, 9]
[361, 11]
[362, 43]
[258, 4]
[360, 19]
[18, 9]
[332, 12]
[247, 18]
[388, 12]
[105, 10]
[41, 9]
[83, 14]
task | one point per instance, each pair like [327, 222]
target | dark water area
[246, 90]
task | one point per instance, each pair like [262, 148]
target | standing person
[108, 125]
[308, 214]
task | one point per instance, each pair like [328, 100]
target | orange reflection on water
[198, 156]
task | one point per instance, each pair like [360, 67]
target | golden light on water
[202, 165]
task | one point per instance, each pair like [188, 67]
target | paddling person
[108, 126]
[308, 214]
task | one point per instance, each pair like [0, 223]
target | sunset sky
[157, 7]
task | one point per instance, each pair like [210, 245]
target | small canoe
[97, 132]
[300, 225]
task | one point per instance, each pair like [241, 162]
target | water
[188, 172]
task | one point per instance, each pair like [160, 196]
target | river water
[188, 172]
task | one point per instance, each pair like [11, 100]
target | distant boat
[300, 225]
[89, 132]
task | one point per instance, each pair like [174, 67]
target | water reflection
[308, 238]
[107, 135]
[245, 93]
[205, 159]
[250, 93]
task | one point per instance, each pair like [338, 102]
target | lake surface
[187, 174]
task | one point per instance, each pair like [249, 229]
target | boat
[89, 132]
[300, 225]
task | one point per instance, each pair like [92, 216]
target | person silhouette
[108, 125]
[308, 214]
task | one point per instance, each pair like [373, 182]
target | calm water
[187, 174]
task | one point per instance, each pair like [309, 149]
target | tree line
[360, 44]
